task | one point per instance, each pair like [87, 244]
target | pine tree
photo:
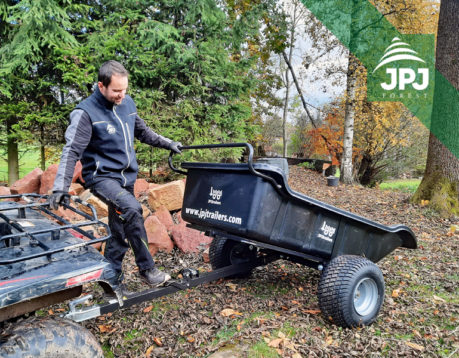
[31, 31]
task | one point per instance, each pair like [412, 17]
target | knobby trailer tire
[49, 337]
[351, 291]
[224, 252]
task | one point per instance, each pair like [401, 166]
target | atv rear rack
[13, 229]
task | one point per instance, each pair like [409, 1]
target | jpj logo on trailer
[215, 196]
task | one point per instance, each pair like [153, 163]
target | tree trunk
[284, 116]
[348, 137]
[287, 79]
[298, 89]
[42, 149]
[150, 163]
[13, 156]
[440, 184]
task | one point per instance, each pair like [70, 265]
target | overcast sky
[317, 87]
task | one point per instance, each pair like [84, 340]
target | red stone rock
[99, 205]
[164, 217]
[178, 216]
[141, 187]
[205, 256]
[158, 239]
[68, 215]
[102, 229]
[77, 175]
[153, 185]
[4, 190]
[29, 184]
[145, 212]
[85, 195]
[76, 189]
[190, 240]
[47, 179]
[170, 195]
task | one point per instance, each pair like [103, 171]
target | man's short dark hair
[108, 69]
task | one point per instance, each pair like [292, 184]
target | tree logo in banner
[399, 51]
[403, 72]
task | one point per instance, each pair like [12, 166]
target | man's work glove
[58, 198]
[175, 147]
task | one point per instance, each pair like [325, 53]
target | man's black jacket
[102, 134]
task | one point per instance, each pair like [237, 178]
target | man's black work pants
[126, 224]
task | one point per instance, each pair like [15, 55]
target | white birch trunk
[347, 176]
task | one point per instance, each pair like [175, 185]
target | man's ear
[100, 85]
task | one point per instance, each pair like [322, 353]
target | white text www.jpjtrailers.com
[215, 215]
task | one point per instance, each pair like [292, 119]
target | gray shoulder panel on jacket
[77, 137]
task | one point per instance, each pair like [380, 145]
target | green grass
[28, 161]
[306, 165]
[262, 350]
[404, 185]
[268, 290]
[225, 334]
[107, 351]
[133, 334]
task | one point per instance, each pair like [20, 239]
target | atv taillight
[75, 233]
[84, 278]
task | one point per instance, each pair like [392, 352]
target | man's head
[113, 81]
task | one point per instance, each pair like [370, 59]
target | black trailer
[250, 211]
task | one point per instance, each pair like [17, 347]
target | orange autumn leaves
[378, 126]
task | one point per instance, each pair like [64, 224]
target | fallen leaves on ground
[228, 312]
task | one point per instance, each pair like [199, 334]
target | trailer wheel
[49, 337]
[351, 291]
[224, 252]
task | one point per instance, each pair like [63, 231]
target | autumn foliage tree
[382, 130]
[382, 127]
[327, 139]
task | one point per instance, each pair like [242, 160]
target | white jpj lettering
[406, 76]
[425, 79]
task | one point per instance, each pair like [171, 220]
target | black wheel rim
[241, 253]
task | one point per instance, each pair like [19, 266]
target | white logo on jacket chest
[111, 129]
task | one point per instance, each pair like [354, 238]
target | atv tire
[351, 291]
[49, 337]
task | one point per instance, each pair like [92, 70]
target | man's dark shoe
[154, 277]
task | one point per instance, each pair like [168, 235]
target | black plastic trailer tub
[250, 205]
[235, 199]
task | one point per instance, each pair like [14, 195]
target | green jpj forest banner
[400, 67]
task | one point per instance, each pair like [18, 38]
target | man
[101, 133]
